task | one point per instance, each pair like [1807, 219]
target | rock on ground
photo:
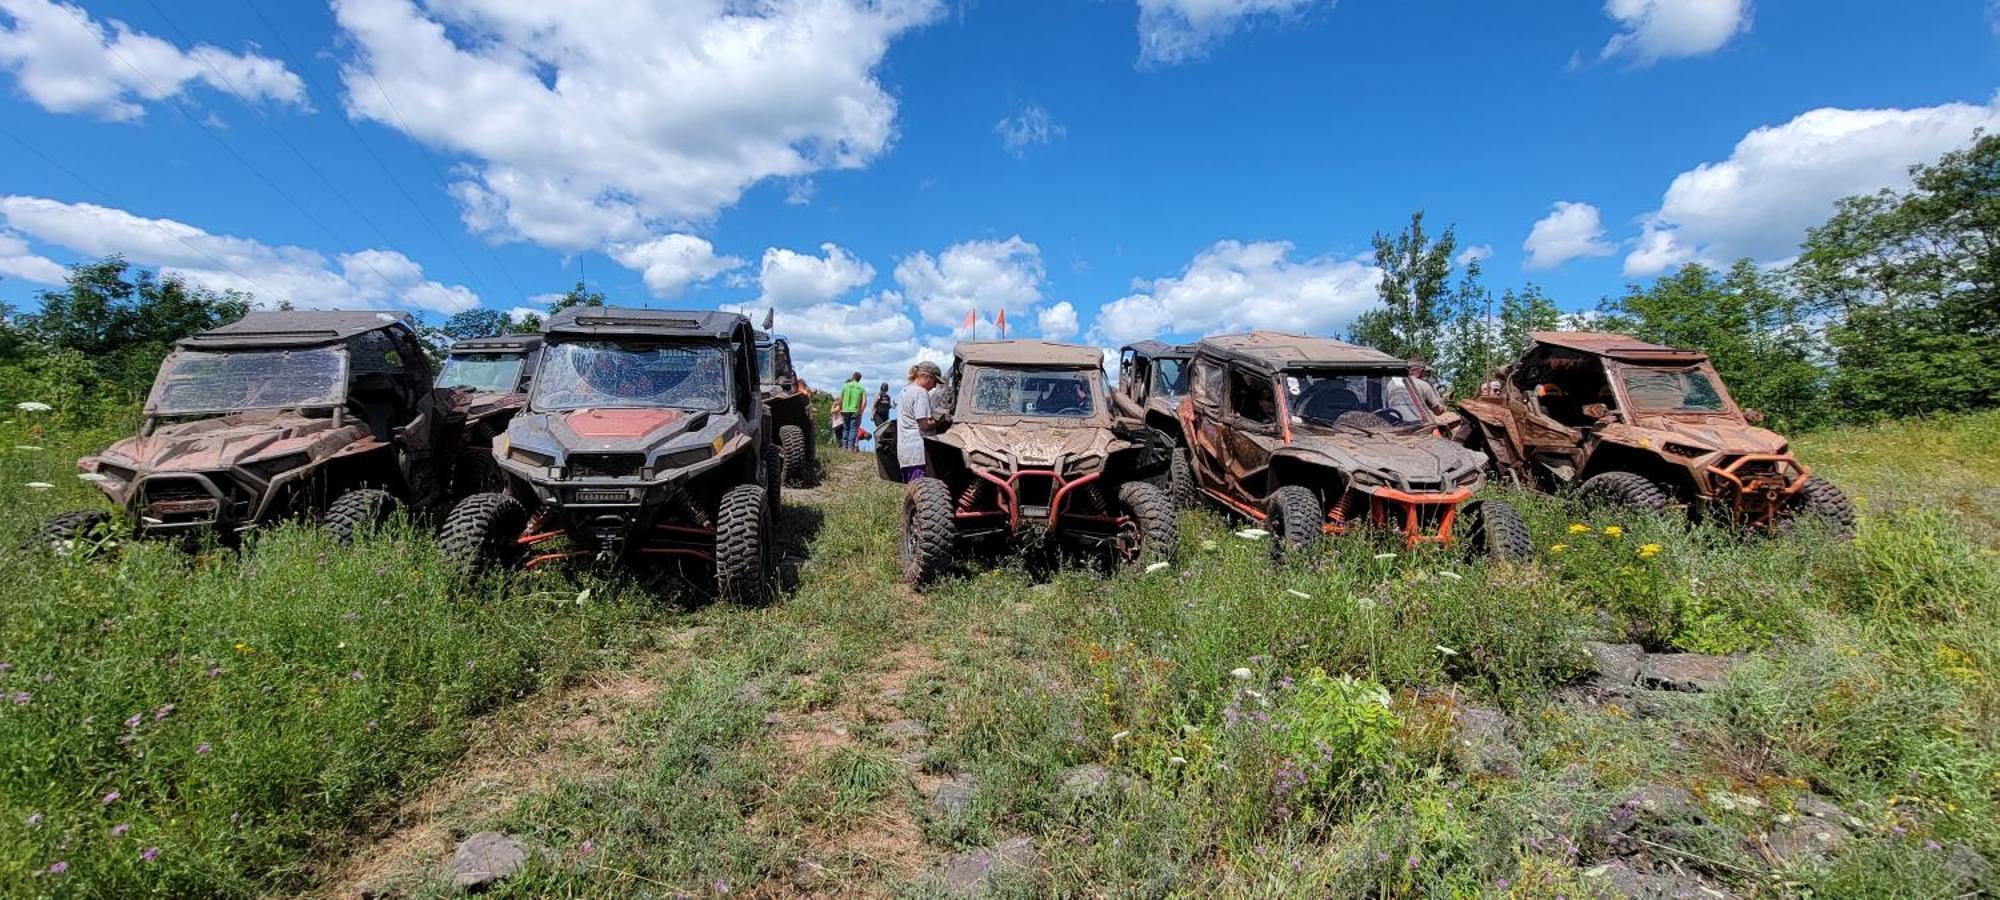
[975, 873]
[1685, 671]
[1617, 664]
[1479, 742]
[1805, 838]
[1621, 879]
[485, 859]
[953, 798]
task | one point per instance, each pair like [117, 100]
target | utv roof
[1277, 351]
[1029, 353]
[295, 328]
[1158, 349]
[500, 343]
[611, 321]
[1616, 346]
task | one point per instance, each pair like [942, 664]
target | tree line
[1891, 308]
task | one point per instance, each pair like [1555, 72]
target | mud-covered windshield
[1170, 377]
[767, 363]
[1673, 390]
[597, 374]
[1330, 398]
[1034, 392]
[498, 372]
[192, 382]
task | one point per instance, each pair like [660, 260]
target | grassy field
[300, 719]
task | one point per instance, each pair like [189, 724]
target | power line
[84, 24]
[155, 223]
[448, 244]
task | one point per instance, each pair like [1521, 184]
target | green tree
[578, 295]
[1910, 284]
[1415, 290]
[475, 323]
[1521, 312]
[122, 321]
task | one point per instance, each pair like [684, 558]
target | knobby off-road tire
[479, 532]
[478, 472]
[1180, 479]
[792, 448]
[1149, 537]
[774, 482]
[1624, 491]
[1495, 530]
[930, 535]
[1294, 518]
[742, 546]
[75, 530]
[358, 511]
[1821, 500]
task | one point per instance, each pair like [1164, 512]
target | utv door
[1252, 431]
[1207, 383]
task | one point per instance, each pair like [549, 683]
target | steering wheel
[1390, 415]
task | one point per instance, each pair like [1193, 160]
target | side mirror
[1753, 416]
[1596, 410]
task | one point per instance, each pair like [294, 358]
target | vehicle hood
[1033, 444]
[207, 445]
[1420, 461]
[647, 431]
[1726, 434]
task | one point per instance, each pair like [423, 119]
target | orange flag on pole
[971, 319]
[1001, 321]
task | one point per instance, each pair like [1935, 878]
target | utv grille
[1035, 491]
[605, 465]
[173, 490]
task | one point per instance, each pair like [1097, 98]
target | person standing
[1426, 393]
[883, 407]
[852, 397]
[914, 419]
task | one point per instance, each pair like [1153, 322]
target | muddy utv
[280, 415]
[494, 374]
[643, 438]
[1031, 454]
[1311, 436]
[1637, 425]
[1152, 379]
[789, 406]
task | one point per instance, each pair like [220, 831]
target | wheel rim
[1130, 541]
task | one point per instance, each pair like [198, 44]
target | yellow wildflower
[1578, 528]
[242, 647]
[1558, 548]
[1649, 551]
[1614, 531]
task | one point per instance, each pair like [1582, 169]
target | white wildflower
[33, 406]
[1208, 545]
[1177, 760]
[40, 485]
[1240, 673]
[1120, 736]
[1452, 575]
[1155, 567]
[1446, 650]
[1253, 534]
[1302, 595]
[1385, 556]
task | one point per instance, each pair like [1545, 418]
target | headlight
[530, 457]
[1362, 476]
[986, 460]
[119, 473]
[269, 469]
[1086, 465]
[1688, 450]
[1468, 477]
[681, 459]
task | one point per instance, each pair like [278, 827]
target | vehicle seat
[1327, 402]
[375, 399]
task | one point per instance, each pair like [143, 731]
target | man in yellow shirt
[852, 397]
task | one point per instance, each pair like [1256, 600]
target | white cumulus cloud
[18, 261]
[1782, 179]
[1473, 254]
[1232, 286]
[1177, 31]
[789, 279]
[833, 340]
[1569, 231]
[67, 62]
[671, 263]
[366, 278]
[1058, 322]
[984, 275]
[591, 121]
[1653, 30]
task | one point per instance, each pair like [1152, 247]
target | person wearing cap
[1426, 393]
[915, 418]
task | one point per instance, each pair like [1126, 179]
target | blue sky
[1102, 169]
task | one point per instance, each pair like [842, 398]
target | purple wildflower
[215, 671]
[356, 675]
[119, 829]
[57, 868]
[1933, 846]
[34, 820]
[163, 712]
[149, 854]
[586, 847]
[1411, 862]
[202, 749]
[21, 698]
[6, 666]
[135, 720]
[110, 798]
